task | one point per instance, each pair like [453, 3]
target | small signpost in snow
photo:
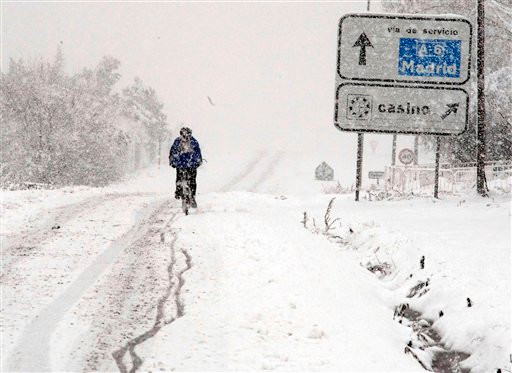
[376, 175]
[402, 74]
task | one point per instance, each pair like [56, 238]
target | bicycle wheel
[185, 203]
[186, 193]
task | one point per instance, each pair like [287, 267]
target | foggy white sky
[269, 68]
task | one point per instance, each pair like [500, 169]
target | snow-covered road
[118, 278]
[59, 271]
[83, 272]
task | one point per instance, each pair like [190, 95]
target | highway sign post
[402, 74]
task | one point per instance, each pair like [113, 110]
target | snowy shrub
[328, 220]
[330, 188]
[329, 224]
[63, 130]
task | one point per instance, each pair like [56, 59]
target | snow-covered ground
[96, 278]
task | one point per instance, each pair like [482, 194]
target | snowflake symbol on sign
[359, 107]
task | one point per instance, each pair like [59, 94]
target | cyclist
[185, 156]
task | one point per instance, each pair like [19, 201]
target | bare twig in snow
[329, 222]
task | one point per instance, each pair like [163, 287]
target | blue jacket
[179, 158]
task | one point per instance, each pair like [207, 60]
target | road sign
[393, 48]
[324, 172]
[375, 175]
[367, 107]
[394, 74]
[406, 156]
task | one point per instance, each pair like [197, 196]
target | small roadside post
[376, 175]
[402, 74]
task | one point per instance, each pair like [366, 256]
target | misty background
[246, 77]
[243, 76]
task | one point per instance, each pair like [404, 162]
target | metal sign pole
[360, 142]
[393, 151]
[436, 182]
[416, 150]
[359, 165]
[480, 154]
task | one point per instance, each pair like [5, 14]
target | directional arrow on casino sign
[362, 42]
[452, 108]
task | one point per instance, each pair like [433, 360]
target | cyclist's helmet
[186, 132]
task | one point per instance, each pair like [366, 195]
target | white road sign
[406, 156]
[370, 107]
[394, 48]
[375, 175]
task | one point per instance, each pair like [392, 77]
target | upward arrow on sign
[362, 42]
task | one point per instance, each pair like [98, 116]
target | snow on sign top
[404, 48]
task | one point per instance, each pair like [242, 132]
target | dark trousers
[189, 175]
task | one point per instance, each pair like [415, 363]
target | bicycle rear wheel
[185, 204]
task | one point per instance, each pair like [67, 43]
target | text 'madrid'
[429, 57]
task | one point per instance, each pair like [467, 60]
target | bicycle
[186, 193]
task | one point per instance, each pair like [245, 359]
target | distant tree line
[498, 76]
[67, 130]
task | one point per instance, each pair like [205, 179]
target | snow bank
[466, 246]
[263, 293]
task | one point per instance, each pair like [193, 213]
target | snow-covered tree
[33, 98]
[99, 147]
[58, 129]
[142, 104]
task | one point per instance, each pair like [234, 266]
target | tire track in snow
[176, 282]
[246, 172]
[25, 244]
[269, 171]
[127, 298]
[32, 350]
